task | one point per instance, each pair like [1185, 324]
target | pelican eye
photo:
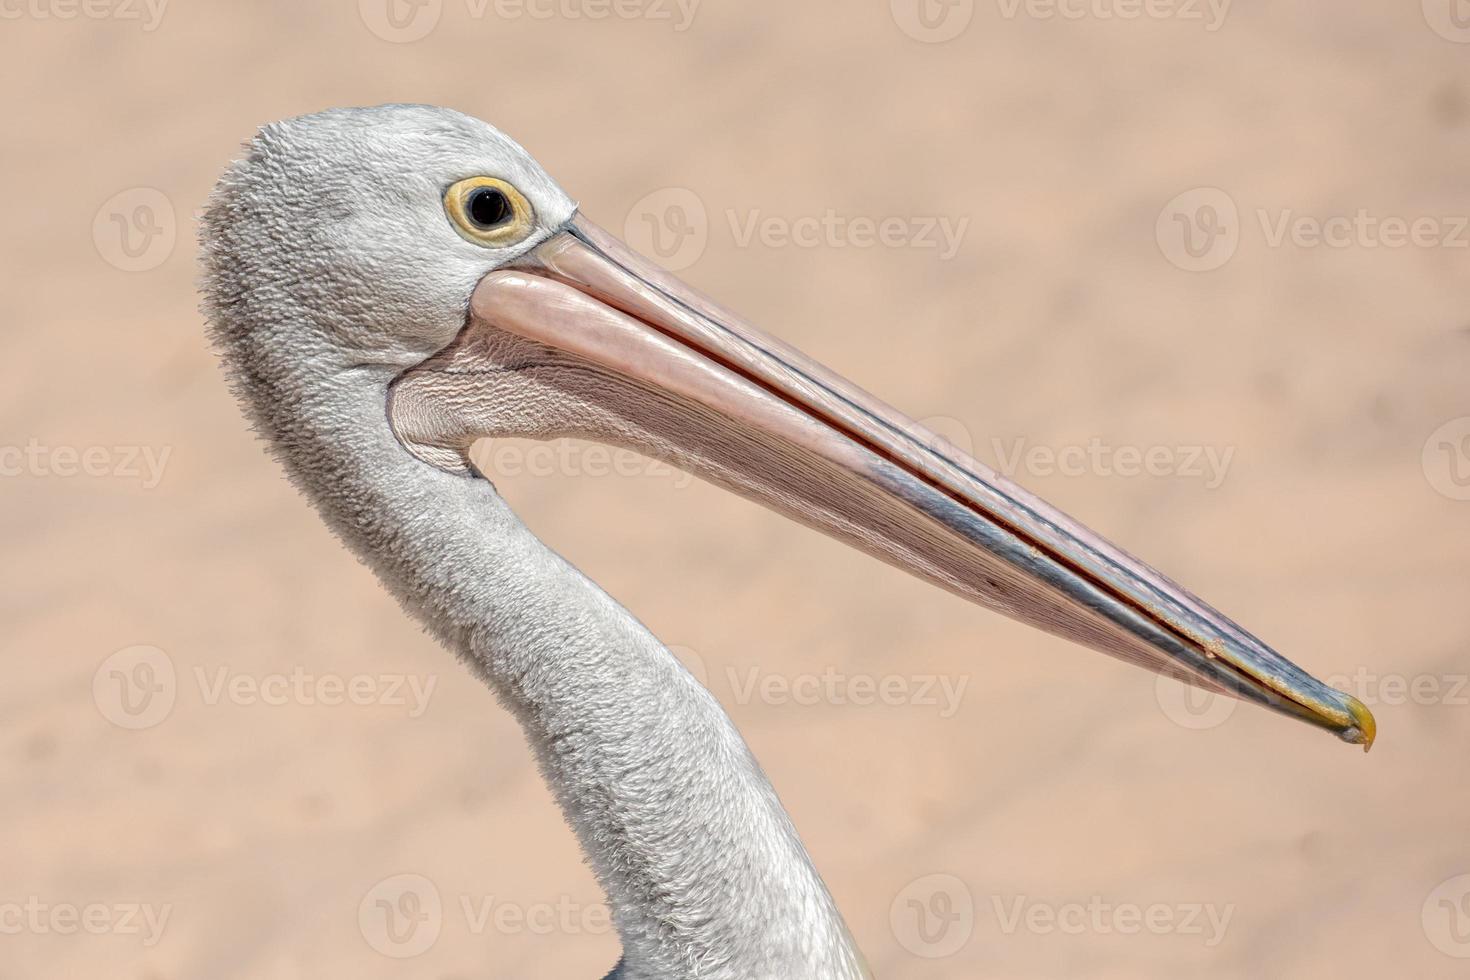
[488, 207]
[488, 211]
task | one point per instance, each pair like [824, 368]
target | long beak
[643, 360]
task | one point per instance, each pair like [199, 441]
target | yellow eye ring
[488, 211]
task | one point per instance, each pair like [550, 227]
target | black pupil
[488, 207]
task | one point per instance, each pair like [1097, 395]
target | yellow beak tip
[1366, 728]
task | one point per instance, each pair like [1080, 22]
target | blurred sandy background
[1057, 785]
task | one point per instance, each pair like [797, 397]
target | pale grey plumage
[329, 268]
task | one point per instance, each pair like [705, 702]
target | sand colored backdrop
[1197, 273]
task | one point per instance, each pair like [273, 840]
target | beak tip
[1364, 728]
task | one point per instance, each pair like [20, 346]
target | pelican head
[342, 215]
[429, 257]
[387, 286]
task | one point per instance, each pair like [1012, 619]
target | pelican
[385, 286]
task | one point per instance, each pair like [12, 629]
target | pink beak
[637, 358]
